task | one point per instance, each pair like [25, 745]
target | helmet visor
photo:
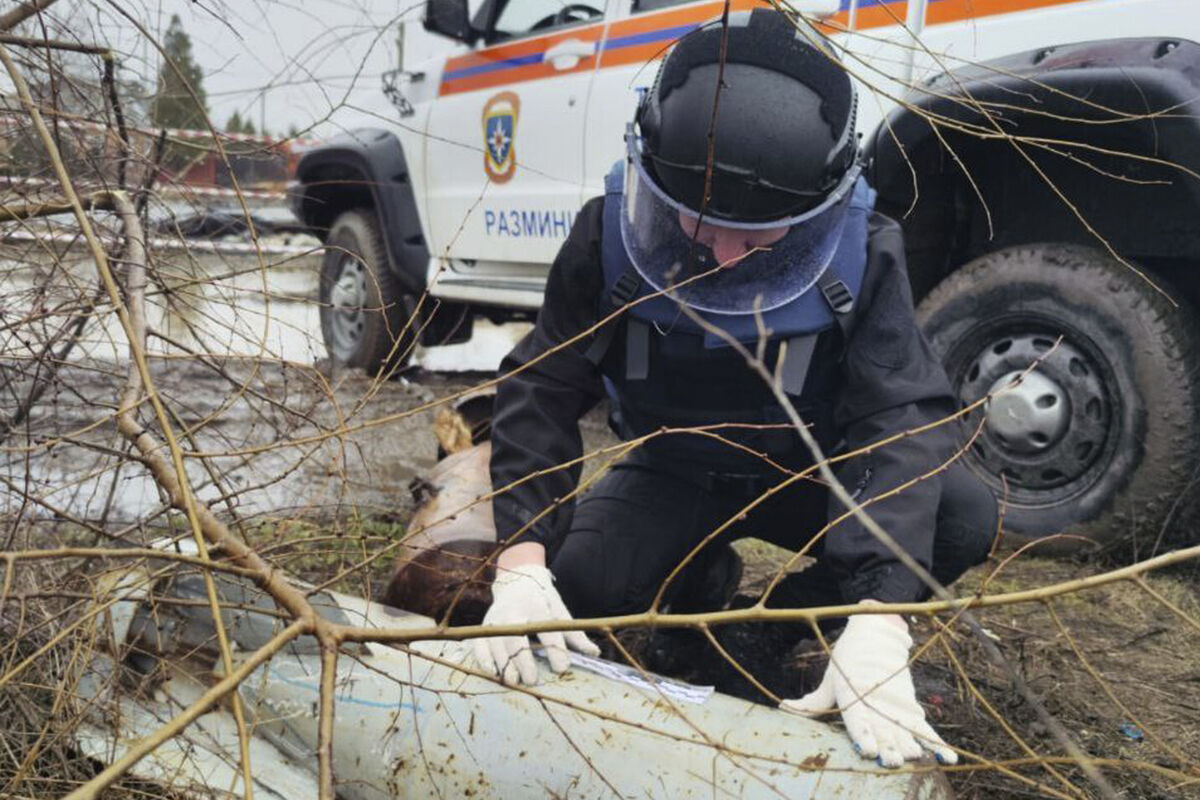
[672, 246]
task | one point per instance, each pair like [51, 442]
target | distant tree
[174, 106]
[239, 124]
[293, 131]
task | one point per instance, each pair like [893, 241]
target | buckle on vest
[625, 288]
[839, 297]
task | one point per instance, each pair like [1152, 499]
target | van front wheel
[367, 319]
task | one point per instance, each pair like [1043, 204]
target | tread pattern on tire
[1165, 340]
[376, 354]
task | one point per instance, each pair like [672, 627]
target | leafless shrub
[154, 388]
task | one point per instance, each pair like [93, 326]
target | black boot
[707, 584]
[767, 650]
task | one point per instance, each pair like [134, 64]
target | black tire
[367, 318]
[1104, 441]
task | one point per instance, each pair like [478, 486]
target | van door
[642, 31]
[505, 137]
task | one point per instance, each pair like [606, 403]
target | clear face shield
[672, 246]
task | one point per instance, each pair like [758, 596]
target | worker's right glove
[869, 682]
[527, 594]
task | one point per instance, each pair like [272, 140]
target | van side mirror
[449, 18]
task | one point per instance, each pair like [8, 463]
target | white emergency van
[1043, 157]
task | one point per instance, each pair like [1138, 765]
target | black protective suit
[612, 554]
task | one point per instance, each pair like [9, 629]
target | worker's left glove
[527, 594]
[869, 682]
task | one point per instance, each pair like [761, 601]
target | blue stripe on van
[664, 34]
[845, 4]
[649, 36]
[508, 63]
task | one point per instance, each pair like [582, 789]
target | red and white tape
[166, 243]
[184, 190]
[178, 133]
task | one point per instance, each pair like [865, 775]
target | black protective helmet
[783, 136]
[784, 164]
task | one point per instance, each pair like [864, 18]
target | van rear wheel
[367, 319]
[1102, 437]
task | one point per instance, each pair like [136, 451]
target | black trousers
[641, 520]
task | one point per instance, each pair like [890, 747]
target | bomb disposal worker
[786, 237]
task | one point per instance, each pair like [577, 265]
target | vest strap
[796, 354]
[637, 350]
[840, 299]
[836, 292]
[626, 287]
[601, 341]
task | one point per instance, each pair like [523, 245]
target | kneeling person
[768, 226]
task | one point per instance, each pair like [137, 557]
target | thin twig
[22, 12]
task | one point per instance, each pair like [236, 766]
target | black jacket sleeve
[535, 428]
[893, 383]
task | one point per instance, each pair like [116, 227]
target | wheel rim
[1049, 430]
[1028, 412]
[347, 302]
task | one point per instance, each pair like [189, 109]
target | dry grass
[1138, 649]
[1099, 660]
[1143, 655]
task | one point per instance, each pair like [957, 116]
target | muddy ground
[1121, 674]
[314, 468]
[322, 507]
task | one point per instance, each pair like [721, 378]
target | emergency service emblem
[499, 129]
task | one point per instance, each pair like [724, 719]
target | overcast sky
[299, 61]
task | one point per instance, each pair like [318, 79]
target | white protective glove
[526, 594]
[869, 682]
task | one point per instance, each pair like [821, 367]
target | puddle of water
[223, 305]
[228, 308]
